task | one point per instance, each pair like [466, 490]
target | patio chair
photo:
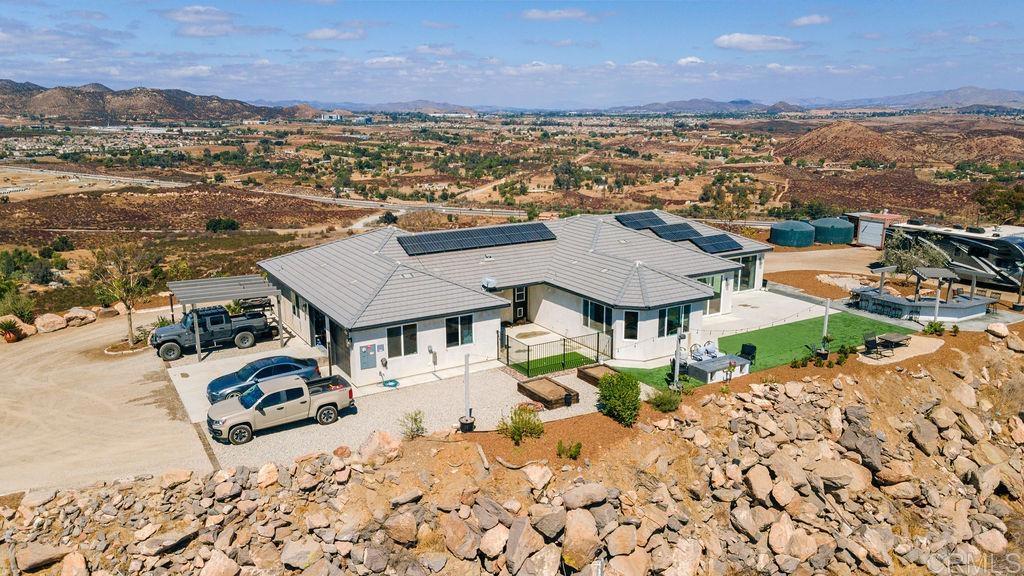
[697, 353]
[711, 350]
[748, 351]
[872, 349]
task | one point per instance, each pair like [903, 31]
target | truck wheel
[232, 395]
[170, 351]
[326, 415]
[240, 434]
[245, 340]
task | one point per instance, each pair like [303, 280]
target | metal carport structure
[209, 290]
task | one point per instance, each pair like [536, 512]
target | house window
[401, 340]
[673, 319]
[597, 316]
[295, 304]
[632, 322]
[745, 276]
[458, 330]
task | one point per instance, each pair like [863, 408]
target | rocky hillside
[95, 102]
[846, 142]
[900, 470]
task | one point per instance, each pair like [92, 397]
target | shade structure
[206, 290]
[792, 233]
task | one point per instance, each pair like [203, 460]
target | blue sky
[516, 53]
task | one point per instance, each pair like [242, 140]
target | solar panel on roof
[455, 240]
[675, 232]
[640, 220]
[716, 243]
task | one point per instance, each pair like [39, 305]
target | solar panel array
[640, 220]
[676, 232]
[716, 243]
[470, 238]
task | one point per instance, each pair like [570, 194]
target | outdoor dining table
[894, 339]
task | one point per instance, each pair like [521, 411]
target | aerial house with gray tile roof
[391, 304]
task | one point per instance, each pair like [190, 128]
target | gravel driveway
[492, 395]
[71, 415]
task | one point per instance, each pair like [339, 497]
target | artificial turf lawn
[659, 377]
[778, 345]
[548, 364]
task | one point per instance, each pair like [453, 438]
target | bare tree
[122, 275]
[906, 253]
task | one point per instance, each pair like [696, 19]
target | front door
[317, 327]
[519, 304]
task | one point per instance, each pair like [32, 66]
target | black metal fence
[562, 354]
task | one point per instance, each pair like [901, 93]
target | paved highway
[101, 177]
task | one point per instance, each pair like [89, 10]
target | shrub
[222, 224]
[794, 363]
[19, 305]
[665, 401]
[162, 321]
[572, 451]
[935, 328]
[619, 397]
[234, 307]
[522, 423]
[46, 252]
[412, 425]
[62, 244]
[39, 272]
[10, 327]
[955, 330]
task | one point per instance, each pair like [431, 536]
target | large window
[458, 330]
[746, 275]
[714, 305]
[597, 316]
[673, 319]
[401, 340]
[631, 324]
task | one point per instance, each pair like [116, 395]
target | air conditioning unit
[489, 283]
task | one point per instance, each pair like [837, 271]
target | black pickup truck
[216, 327]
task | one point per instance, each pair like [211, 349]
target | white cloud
[785, 68]
[535, 67]
[436, 50]
[847, 70]
[197, 14]
[644, 65]
[438, 25]
[971, 39]
[386, 62]
[689, 61]
[559, 14]
[335, 34]
[200, 21]
[190, 72]
[756, 42]
[811, 20]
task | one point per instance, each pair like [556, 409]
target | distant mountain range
[421, 106]
[96, 102]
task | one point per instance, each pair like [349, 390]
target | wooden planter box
[592, 374]
[549, 393]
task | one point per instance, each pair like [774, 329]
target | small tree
[122, 274]
[906, 254]
[619, 397]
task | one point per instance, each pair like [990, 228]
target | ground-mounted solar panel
[676, 232]
[717, 243]
[470, 238]
[640, 220]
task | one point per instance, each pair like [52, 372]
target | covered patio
[204, 291]
[957, 305]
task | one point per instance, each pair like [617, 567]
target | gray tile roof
[368, 280]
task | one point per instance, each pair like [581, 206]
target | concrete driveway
[71, 415]
[492, 395]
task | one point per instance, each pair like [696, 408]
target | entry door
[519, 304]
[317, 327]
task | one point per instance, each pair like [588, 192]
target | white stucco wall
[648, 345]
[298, 324]
[557, 310]
[430, 334]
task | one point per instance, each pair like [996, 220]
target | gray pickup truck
[277, 402]
[216, 327]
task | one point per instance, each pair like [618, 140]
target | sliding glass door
[714, 305]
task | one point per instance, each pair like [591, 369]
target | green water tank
[833, 231]
[792, 233]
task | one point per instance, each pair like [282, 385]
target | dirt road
[71, 415]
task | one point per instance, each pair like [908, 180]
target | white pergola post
[280, 325]
[195, 327]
